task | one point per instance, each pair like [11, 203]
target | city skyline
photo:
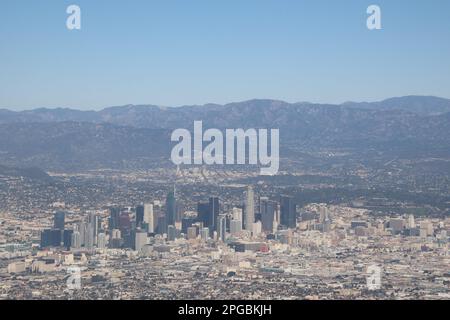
[96, 247]
[246, 151]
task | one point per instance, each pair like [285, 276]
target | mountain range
[151, 116]
[66, 139]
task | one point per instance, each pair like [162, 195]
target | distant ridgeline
[140, 136]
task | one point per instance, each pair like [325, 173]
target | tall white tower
[250, 210]
[149, 217]
[411, 222]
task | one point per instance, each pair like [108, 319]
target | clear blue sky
[177, 52]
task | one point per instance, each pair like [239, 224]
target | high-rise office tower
[249, 209]
[267, 209]
[115, 240]
[221, 227]
[171, 208]
[59, 220]
[46, 238]
[162, 225]
[67, 238]
[203, 213]
[139, 215]
[411, 222]
[51, 238]
[124, 223]
[186, 223]
[89, 237]
[114, 216]
[81, 227]
[150, 217]
[235, 227]
[101, 241]
[288, 212]
[323, 214]
[172, 233]
[141, 239]
[214, 209]
[93, 226]
[75, 242]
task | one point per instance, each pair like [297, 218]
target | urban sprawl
[257, 248]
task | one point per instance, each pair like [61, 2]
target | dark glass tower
[267, 209]
[171, 208]
[288, 212]
[162, 225]
[51, 238]
[114, 215]
[139, 215]
[59, 220]
[203, 213]
[213, 213]
[67, 238]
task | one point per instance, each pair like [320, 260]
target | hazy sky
[176, 52]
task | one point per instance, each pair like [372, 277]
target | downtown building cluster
[257, 248]
[132, 227]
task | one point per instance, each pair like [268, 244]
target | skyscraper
[235, 226]
[323, 214]
[89, 237]
[186, 223]
[59, 220]
[171, 208]
[101, 241]
[75, 242]
[81, 227]
[124, 223]
[139, 215]
[203, 213]
[411, 222]
[51, 238]
[67, 238]
[249, 209]
[214, 208]
[93, 226]
[150, 217]
[162, 225]
[267, 209]
[114, 215]
[221, 227]
[288, 212]
[140, 240]
[172, 233]
[126, 229]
